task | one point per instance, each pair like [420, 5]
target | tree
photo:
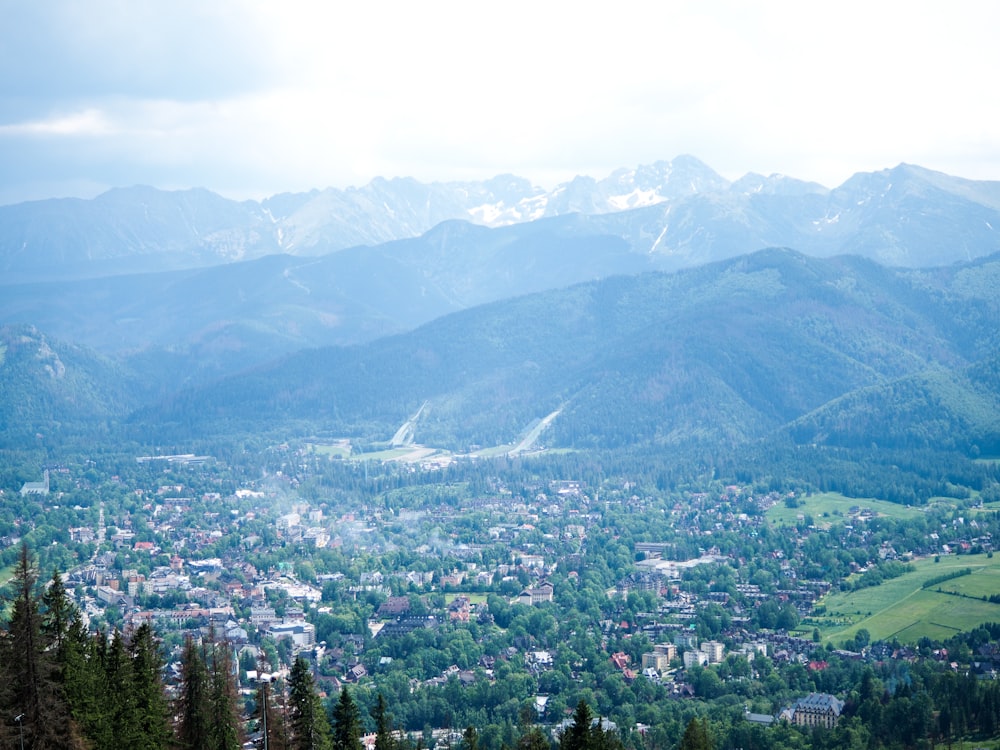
[272, 726]
[195, 720]
[57, 613]
[310, 729]
[152, 709]
[533, 739]
[118, 697]
[384, 739]
[225, 715]
[577, 734]
[696, 736]
[346, 723]
[470, 739]
[32, 690]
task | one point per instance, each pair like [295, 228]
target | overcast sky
[254, 98]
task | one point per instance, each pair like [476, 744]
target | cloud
[252, 98]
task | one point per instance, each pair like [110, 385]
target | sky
[250, 98]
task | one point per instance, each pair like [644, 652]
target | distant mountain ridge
[680, 211]
[773, 343]
[773, 346]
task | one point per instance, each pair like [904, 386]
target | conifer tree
[533, 739]
[601, 739]
[470, 738]
[57, 613]
[696, 736]
[346, 723]
[225, 716]
[194, 729]
[273, 734]
[384, 739]
[310, 729]
[152, 709]
[32, 689]
[118, 695]
[577, 734]
[81, 665]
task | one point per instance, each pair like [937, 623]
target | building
[36, 488]
[815, 710]
[656, 661]
[715, 651]
[695, 657]
[302, 634]
[668, 649]
[532, 596]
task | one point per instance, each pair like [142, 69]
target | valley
[484, 476]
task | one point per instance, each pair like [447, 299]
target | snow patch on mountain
[636, 199]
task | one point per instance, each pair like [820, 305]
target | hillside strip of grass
[828, 507]
[902, 608]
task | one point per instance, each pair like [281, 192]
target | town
[469, 598]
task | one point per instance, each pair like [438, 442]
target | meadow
[901, 608]
[828, 507]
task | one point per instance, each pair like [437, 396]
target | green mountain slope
[50, 391]
[715, 356]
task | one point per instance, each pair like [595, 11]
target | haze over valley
[396, 376]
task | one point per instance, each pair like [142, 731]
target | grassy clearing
[901, 608]
[499, 450]
[828, 507]
[336, 449]
[982, 582]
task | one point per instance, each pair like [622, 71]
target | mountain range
[772, 345]
[722, 354]
[634, 310]
[678, 212]
[250, 281]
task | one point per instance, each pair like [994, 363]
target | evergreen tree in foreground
[346, 723]
[270, 718]
[696, 736]
[226, 724]
[31, 680]
[577, 734]
[310, 729]
[151, 705]
[195, 721]
[209, 716]
[384, 739]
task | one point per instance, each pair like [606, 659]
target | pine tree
[696, 736]
[384, 739]
[533, 739]
[310, 729]
[577, 734]
[58, 613]
[225, 716]
[346, 723]
[194, 729]
[82, 669]
[33, 691]
[270, 719]
[152, 709]
[470, 739]
[119, 696]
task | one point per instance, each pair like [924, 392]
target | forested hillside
[721, 355]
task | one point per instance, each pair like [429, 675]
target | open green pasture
[901, 608]
[334, 449]
[826, 507]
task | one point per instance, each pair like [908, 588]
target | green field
[828, 507]
[335, 449]
[901, 608]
